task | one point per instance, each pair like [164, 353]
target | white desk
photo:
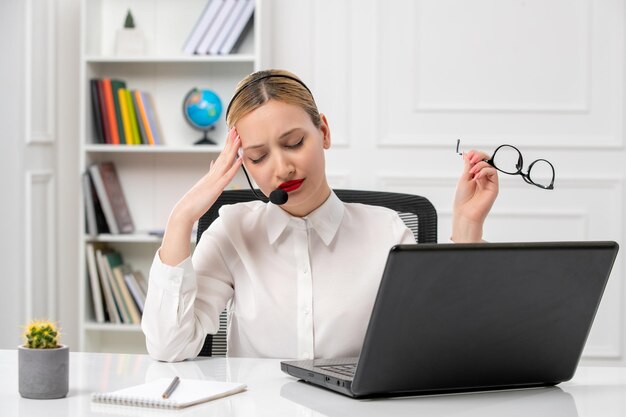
[592, 392]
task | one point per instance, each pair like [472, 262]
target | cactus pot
[44, 373]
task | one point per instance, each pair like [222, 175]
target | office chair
[417, 213]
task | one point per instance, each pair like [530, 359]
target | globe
[202, 108]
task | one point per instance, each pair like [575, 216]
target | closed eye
[296, 145]
[257, 160]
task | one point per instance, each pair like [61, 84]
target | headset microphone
[279, 196]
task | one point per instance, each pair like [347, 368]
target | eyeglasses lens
[541, 173]
[507, 159]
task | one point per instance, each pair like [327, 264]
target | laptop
[473, 317]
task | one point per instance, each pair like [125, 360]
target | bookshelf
[153, 177]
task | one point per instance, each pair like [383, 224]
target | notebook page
[188, 392]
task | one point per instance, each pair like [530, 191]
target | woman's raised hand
[476, 192]
[221, 172]
[198, 200]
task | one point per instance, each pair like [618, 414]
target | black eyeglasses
[508, 159]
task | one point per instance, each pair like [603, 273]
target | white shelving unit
[153, 177]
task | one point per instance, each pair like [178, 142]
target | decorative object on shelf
[202, 108]
[130, 40]
[43, 363]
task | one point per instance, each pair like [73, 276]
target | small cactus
[41, 334]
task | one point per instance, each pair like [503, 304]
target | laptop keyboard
[346, 369]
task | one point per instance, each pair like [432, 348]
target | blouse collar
[325, 219]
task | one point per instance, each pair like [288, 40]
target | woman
[298, 283]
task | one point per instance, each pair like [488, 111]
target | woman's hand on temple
[176, 247]
[203, 194]
[476, 192]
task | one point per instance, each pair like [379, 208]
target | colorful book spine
[153, 120]
[110, 111]
[133, 118]
[103, 112]
[125, 113]
[97, 114]
[144, 117]
[116, 85]
[143, 135]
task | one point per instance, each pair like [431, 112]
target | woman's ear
[325, 129]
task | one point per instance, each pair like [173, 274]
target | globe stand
[205, 140]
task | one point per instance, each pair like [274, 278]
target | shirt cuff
[173, 279]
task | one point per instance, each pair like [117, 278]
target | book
[114, 315]
[111, 196]
[135, 289]
[141, 280]
[97, 114]
[110, 111]
[188, 392]
[90, 210]
[143, 135]
[91, 199]
[143, 117]
[134, 315]
[103, 112]
[94, 283]
[202, 25]
[214, 48]
[239, 30]
[133, 117]
[153, 120]
[215, 27]
[111, 260]
[116, 85]
[125, 112]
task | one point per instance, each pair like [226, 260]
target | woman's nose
[284, 167]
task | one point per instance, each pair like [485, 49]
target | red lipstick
[290, 186]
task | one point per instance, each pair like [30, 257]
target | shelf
[130, 238]
[112, 327]
[101, 148]
[171, 59]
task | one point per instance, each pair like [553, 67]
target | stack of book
[221, 27]
[118, 293]
[122, 116]
[106, 210]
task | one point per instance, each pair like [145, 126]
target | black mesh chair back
[417, 213]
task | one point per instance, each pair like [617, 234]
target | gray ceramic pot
[44, 373]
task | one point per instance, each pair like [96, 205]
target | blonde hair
[262, 86]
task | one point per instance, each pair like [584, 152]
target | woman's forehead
[272, 121]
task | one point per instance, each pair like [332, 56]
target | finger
[233, 169]
[489, 174]
[477, 156]
[211, 166]
[480, 165]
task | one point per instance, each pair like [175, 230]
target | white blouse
[299, 287]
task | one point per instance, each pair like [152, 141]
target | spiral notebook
[188, 392]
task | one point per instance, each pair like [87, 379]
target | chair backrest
[417, 213]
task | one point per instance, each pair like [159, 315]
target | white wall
[399, 80]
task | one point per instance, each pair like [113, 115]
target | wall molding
[40, 20]
[32, 284]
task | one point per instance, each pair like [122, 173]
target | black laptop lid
[470, 316]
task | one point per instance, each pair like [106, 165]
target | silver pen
[170, 389]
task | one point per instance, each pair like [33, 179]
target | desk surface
[592, 392]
